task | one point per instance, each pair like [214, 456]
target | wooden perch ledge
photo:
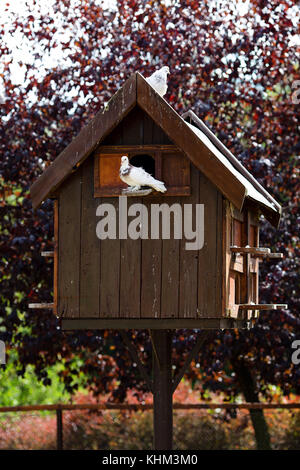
[257, 252]
[45, 305]
[263, 306]
[50, 254]
[135, 193]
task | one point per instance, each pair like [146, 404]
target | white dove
[137, 177]
[158, 80]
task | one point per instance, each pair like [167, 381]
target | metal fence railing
[60, 407]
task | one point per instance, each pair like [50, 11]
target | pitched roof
[204, 150]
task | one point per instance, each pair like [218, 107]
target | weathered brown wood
[253, 250]
[85, 142]
[171, 166]
[237, 232]
[177, 130]
[49, 306]
[256, 252]
[106, 175]
[170, 277]
[236, 214]
[150, 273]
[274, 217]
[59, 429]
[47, 254]
[110, 272]
[188, 284]
[237, 264]
[133, 129]
[124, 122]
[103, 149]
[137, 128]
[273, 256]
[247, 257]
[210, 260]
[219, 256]
[130, 275]
[175, 170]
[140, 192]
[226, 234]
[151, 323]
[69, 246]
[262, 306]
[90, 247]
[55, 260]
[244, 281]
[148, 125]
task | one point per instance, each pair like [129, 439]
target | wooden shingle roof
[204, 150]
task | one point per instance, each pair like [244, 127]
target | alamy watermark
[2, 352]
[296, 354]
[296, 93]
[152, 222]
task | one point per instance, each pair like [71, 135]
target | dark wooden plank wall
[188, 287]
[136, 278]
[69, 246]
[110, 271]
[90, 247]
[210, 256]
[151, 273]
[137, 129]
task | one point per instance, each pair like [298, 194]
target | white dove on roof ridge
[136, 177]
[158, 80]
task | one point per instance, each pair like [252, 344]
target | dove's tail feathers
[159, 186]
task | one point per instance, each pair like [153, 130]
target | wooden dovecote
[154, 282]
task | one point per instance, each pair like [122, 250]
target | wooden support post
[162, 389]
[59, 430]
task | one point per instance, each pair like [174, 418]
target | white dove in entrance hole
[158, 80]
[136, 177]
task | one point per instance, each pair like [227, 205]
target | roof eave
[85, 142]
[180, 133]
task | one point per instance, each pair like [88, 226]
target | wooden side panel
[55, 260]
[254, 263]
[253, 235]
[170, 274]
[170, 279]
[69, 246]
[151, 273]
[130, 275]
[176, 173]
[188, 285]
[133, 128]
[110, 271]
[219, 256]
[90, 247]
[227, 242]
[210, 261]
[137, 128]
[237, 232]
[148, 125]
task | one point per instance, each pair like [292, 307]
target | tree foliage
[236, 71]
